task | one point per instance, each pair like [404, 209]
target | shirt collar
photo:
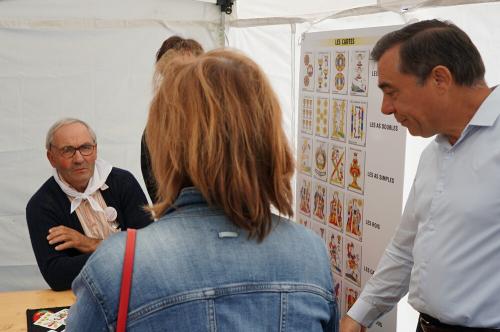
[485, 116]
[488, 111]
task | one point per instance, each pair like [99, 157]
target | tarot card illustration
[49, 320]
[359, 73]
[336, 172]
[323, 72]
[339, 72]
[308, 71]
[321, 117]
[334, 245]
[305, 196]
[304, 221]
[319, 229]
[352, 260]
[307, 115]
[305, 155]
[319, 202]
[357, 122]
[354, 216]
[338, 291]
[320, 160]
[338, 119]
[356, 170]
[336, 208]
[351, 294]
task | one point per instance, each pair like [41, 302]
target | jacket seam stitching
[213, 293]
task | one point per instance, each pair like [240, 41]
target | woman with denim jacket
[217, 258]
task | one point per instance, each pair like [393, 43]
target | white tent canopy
[91, 60]
[94, 60]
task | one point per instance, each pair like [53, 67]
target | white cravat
[97, 181]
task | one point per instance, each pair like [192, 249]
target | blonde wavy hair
[215, 123]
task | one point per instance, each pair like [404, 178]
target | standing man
[446, 251]
[85, 201]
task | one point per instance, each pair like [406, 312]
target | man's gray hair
[64, 122]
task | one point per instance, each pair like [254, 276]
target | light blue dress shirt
[446, 250]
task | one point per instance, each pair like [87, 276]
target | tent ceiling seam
[94, 23]
[313, 19]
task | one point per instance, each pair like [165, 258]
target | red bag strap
[128, 267]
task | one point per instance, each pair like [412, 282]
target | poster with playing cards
[336, 208]
[340, 71]
[338, 291]
[334, 245]
[320, 160]
[352, 259]
[305, 195]
[356, 170]
[321, 117]
[319, 229]
[337, 155]
[351, 294]
[357, 122]
[323, 72]
[307, 115]
[319, 201]
[359, 72]
[356, 160]
[354, 216]
[308, 71]
[338, 119]
[305, 155]
[304, 221]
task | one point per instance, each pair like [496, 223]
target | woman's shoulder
[108, 258]
[286, 227]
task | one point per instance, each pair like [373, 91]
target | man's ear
[50, 157]
[441, 77]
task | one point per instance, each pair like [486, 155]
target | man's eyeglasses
[69, 151]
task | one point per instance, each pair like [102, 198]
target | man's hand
[66, 238]
[347, 324]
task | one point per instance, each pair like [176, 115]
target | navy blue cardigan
[50, 207]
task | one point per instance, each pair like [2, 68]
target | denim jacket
[194, 271]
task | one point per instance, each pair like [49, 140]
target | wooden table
[13, 306]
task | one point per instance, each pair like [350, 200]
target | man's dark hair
[179, 44]
[427, 44]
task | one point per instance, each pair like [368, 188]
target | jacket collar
[187, 196]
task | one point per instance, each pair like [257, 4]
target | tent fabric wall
[65, 60]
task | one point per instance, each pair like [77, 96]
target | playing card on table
[61, 315]
[48, 320]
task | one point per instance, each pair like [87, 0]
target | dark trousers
[427, 323]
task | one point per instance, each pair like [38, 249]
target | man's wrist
[363, 312]
[91, 245]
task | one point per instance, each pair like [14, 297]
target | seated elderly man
[85, 201]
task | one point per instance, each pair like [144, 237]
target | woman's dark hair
[179, 44]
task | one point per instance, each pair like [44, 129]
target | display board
[350, 158]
